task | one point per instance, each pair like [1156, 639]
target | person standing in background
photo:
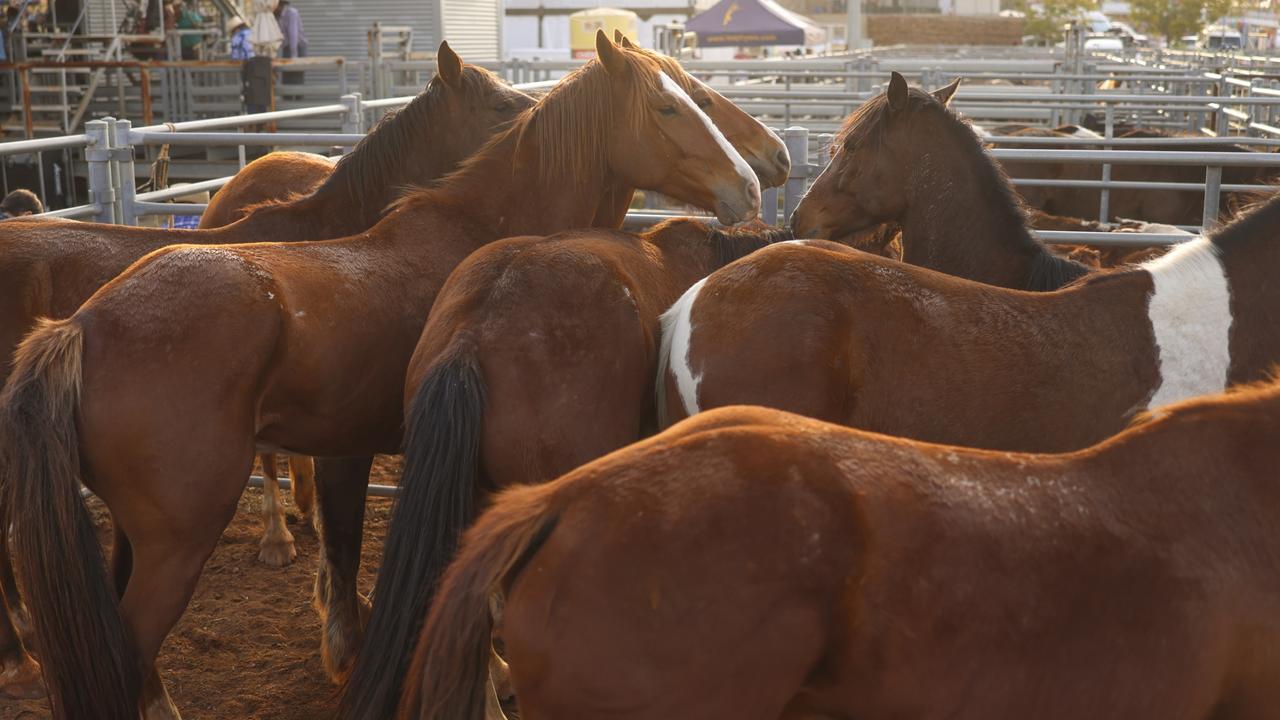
[295, 40]
[189, 19]
[20, 203]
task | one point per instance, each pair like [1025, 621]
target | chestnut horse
[757, 565]
[764, 152]
[846, 337]
[48, 268]
[204, 354]
[905, 158]
[538, 356]
[279, 176]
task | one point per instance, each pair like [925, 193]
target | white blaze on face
[683, 98]
[1190, 314]
[677, 337]
[781, 145]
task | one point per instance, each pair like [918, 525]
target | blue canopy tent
[753, 22]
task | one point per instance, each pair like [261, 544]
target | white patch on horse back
[677, 336]
[1190, 313]
[1082, 132]
[735, 157]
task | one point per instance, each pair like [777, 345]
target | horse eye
[668, 110]
[704, 103]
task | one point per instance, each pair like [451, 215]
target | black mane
[730, 244]
[869, 123]
[1258, 220]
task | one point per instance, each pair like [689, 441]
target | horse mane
[393, 147]
[869, 123]
[729, 244]
[569, 127]
[1258, 220]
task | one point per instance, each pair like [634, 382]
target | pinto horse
[756, 565]
[905, 158]
[48, 268]
[845, 337]
[538, 356]
[206, 354]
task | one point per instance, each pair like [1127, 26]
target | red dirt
[249, 643]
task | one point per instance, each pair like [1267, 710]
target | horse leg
[19, 673]
[302, 470]
[166, 568]
[277, 548]
[341, 484]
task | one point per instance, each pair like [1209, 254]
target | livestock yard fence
[1213, 99]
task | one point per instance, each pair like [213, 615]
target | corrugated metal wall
[474, 28]
[99, 16]
[340, 27]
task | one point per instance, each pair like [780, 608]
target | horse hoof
[20, 679]
[279, 554]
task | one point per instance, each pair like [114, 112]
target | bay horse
[48, 268]
[903, 157]
[757, 565]
[205, 354]
[538, 356]
[846, 337]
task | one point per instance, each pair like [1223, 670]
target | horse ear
[945, 94]
[610, 55]
[449, 65]
[623, 40]
[897, 92]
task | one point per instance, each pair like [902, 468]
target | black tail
[437, 502]
[89, 665]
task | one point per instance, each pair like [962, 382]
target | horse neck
[510, 196]
[1249, 259]
[312, 217]
[690, 252]
[960, 221]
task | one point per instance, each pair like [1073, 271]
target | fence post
[1104, 201]
[769, 206]
[97, 155]
[1212, 189]
[797, 142]
[353, 120]
[122, 151]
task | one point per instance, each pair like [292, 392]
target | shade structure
[753, 22]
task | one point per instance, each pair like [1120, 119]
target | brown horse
[760, 147]
[276, 176]
[756, 565]
[204, 354]
[538, 356]
[904, 157]
[49, 268]
[846, 337]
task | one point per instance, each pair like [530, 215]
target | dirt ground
[249, 643]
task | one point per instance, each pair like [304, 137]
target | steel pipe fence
[110, 144]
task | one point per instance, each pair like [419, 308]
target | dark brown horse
[49, 267]
[202, 354]
[903, 157]
[538, 356]
[756, 565]
[843, 336]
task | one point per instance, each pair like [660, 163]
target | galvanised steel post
[127, 188]
[97, 154]
[353, 120]
[797, 142]
[1212, 190]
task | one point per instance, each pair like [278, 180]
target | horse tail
[436, 503]
[89, 663]
[449, 674]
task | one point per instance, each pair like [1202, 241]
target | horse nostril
[783, 158]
